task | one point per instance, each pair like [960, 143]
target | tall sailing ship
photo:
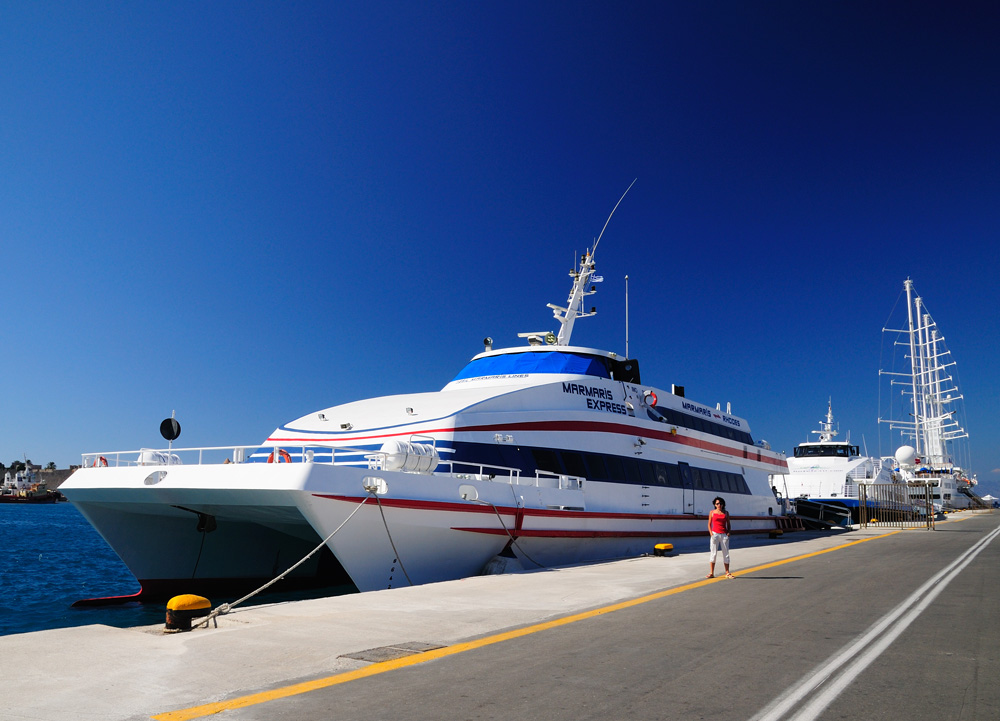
[925, 409]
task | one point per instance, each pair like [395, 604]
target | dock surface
[875, 623]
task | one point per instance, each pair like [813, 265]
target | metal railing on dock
[895, 505]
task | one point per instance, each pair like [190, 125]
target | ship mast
[582, 277]
[914, 365]
[827, 431]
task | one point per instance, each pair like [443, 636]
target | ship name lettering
[608, 407]
[696, 409]
[588, 391]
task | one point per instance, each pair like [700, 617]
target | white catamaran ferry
[924, 406]
[549, 452]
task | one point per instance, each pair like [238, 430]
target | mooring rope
[513, 540]
[398, 559]
[227, 607]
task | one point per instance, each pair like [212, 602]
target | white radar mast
[828, 431]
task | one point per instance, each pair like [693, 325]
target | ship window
[744, 488]
[674, 476]
[702, 479]
[660, 472]
[595, 465]
[646, 473]
[632, 473]
[730, 483]
[573, 463]
[616, 471]
[546, 460]
[536, 362]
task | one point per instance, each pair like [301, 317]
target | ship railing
[326, 455]
[861, 471]
[217, 455]
[849, 490]
[513, 476]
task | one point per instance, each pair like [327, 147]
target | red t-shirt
[717, 520]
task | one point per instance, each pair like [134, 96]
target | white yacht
[548, 452]
[827, 471]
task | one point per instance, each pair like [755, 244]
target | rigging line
[398, 559]
[227, 607]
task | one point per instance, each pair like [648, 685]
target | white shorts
[719, 540]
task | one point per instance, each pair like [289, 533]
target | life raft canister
[282, 456]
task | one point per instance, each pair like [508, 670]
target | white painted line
[860, 653]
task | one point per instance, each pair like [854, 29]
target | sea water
[50, 557]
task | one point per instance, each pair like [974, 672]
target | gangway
[820, 516]
[975, 500]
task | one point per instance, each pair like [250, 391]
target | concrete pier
[874, 623]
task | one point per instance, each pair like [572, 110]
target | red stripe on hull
[540, 533]
[413, 504]
[575, 426]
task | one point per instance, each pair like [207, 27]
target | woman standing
[718, 528]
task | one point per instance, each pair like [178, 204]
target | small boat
[825, 476]
[24, 487]
[533, 456]
[933, 458]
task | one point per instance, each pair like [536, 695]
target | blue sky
[244, 212]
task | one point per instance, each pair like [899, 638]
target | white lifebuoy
[282, 456]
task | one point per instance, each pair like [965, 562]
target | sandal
[729, 575]
[711, 575]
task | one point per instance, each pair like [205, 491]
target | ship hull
[226, 527]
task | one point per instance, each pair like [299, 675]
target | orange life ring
[100, 461]
[282, 456]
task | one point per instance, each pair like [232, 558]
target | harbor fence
[895, 505]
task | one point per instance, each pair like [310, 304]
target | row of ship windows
[600, 467]
[697, 423]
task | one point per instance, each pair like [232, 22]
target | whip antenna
[609, 217]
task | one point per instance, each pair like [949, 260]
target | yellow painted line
[417, 658]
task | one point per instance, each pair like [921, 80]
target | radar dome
[906, 455]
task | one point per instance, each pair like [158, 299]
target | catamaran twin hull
[182, 528]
